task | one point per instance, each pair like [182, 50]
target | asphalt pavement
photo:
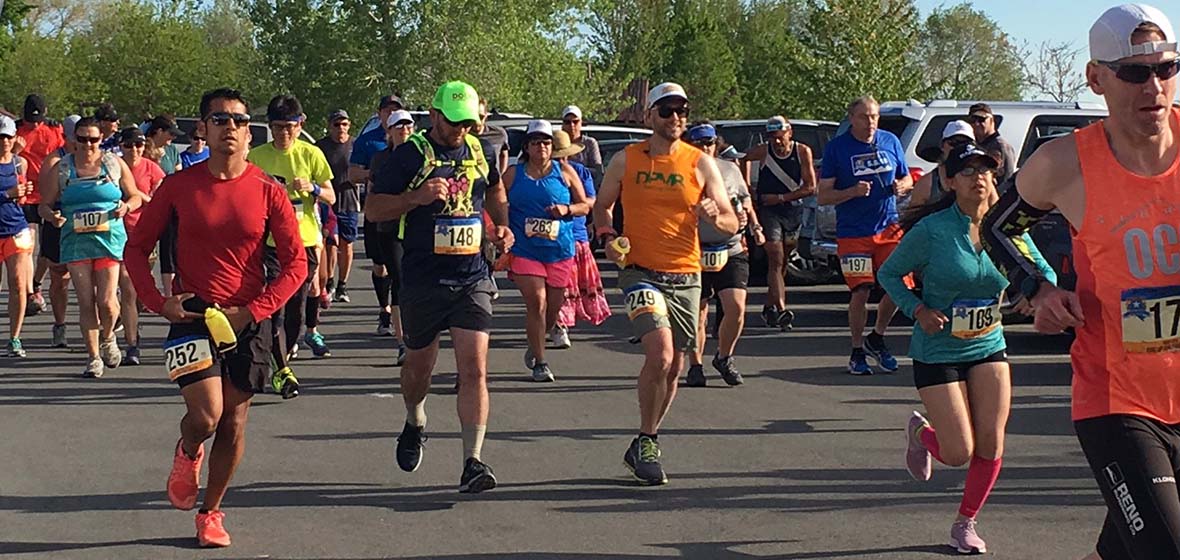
[802, 462]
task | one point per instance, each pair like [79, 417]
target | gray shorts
[655, 300]
[781, 222]
[428, 310]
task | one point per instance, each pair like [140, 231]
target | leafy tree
[965, 55]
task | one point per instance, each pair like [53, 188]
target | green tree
[764, 36]
[12, 15]
[965, 55]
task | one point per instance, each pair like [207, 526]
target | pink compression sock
[930, 441]
[981, 478]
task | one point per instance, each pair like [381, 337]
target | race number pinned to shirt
[187, 355]
[92, 220]
[714, 257]
[643, 299]
[857, 266]
[1151, 319]
[542, 228]
[974, 318]
[457, 236]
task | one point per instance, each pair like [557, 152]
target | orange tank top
[659, 196]
[1127, 255]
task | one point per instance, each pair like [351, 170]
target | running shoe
[858, 364]
[410, 446]
[696, 376]
[530, 361]
[385, 324]
[330, 285]
[542, 373]
[59, 337]
[964, 538]
[109, 351]
[118, 324]
[559, 337]
[342, 295]
[15, 348]
[211, 530]
[770, 317]
[401, 355]
[132, 357]
[285, 383]
[729, 372]
[917, 457]
[35, 304]
[477, 477]
[319, 348]
[786, 320]
[879, 352]
[643, 460]
[293, 352]
[185, 479]
[94, 368]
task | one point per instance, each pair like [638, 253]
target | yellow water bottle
[622, 245]
[219, 328]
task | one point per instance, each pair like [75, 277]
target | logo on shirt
[871, 164]
[670, 180]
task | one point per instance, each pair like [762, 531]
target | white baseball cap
[663, 91]
[7, 126]
[539, 126]
[958, 128]
[571, 110]
[69, 125]
[1110, 36]
[398, 116]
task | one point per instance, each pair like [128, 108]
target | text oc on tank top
[1127, 255]
[539, 236]
[659, 197]
[769, 181]
[91, 230]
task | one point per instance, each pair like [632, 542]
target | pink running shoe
[917, 458]
[964, 538]
[185, 479]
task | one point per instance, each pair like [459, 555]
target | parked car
[259, 132]
[601, 132]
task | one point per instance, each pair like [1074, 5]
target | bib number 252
[187, 355]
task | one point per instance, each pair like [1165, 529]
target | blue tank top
[91, 230]
[12, 216]
[539, 236]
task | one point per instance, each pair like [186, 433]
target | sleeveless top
[91, 230]
[12, 216]
[659, 197]
[769, 183]
[539, 236]
[1127, 255]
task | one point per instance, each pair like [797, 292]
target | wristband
[316, 190]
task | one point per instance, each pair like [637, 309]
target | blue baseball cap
[701, 132]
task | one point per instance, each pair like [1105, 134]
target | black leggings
[287, 322]
[1136, 461]
[168, 250]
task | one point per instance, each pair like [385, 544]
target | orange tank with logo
[1127, 255]
[659, 197]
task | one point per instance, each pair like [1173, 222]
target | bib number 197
[856, 266]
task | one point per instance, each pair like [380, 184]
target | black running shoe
[770, 317]
[409, 448]
[786, 320]
[476, 478]
[643, 460]
[696, 376]
[728, 370]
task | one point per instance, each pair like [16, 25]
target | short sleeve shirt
[147, 175]
[590, 156]
[366, 146]
[348, 200]
[170, 160]
[301, 160]
[880, 163]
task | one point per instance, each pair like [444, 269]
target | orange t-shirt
[1127, 255]
[659, 196]
[40, 140]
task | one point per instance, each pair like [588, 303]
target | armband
[1001, 235]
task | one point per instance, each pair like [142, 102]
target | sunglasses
[976, 119]
[341, 124]
[956, 141]
[705, 142]
[666, 111]
[6, 137]
[222, 119]
[460, 124]
[88, 139]
[403, 124]
[1140, 73]
[973, 171]
[541, 142]
[197, 138]
[133, 145]
[571, 121]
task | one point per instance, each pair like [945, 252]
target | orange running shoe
[185, 479]
[210, 530]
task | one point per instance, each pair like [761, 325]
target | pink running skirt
[584, 298]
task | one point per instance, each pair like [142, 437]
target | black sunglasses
[88, 139]
[133, 144]
[341, 123]
[460, 124]
[666, 111]
[6, 137]
[222, 119]
[1140, 73]
[197, 138]
[976, 119]
[706, 142]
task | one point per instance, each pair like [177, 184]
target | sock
[930, 441]
[981, 478]
[36, 287]
[416, 414]
[311, 312]
[473, 441]
[203, 511]
[654, 437]
[875, 338]
[381, 285]
[341, 285]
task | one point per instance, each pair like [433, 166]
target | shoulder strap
[772, 164]
[475, 152]
[65, 169]
[429, 162]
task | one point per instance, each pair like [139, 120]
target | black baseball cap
[390, 100]
[163, 122]
[962, 155]
[338, 115]
[980, 109]
[34, 108]
[106, 112]
[131, 135]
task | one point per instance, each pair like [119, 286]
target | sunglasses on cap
[88, 139]
[1140, 73]
[222, 119]
[666, 111]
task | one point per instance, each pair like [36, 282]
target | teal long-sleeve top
[962, 283]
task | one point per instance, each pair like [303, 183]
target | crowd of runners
[253, 244]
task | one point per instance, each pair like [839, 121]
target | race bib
[1151, 319]
[187, 355]
[541, 227]
[974, 318]
[457, 236]
[24, 240]
[642, 299]
[714, 258]
[856, 266]
[92, 221]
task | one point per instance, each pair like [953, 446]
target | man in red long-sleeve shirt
[222, 210]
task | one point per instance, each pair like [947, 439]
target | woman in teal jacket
[960, 359]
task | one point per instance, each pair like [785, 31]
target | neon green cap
[457, 101]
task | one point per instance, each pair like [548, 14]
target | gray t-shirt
[1000, 147]
[739, 195]
[591, 157]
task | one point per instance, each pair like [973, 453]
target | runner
[863, 171]
[224, 210]
[987, 136]
[543, 198]
[960, 363]
[571, 123]
[148, 176]
[436, 184]
[50, 239]
[786, 177]
[368, 144]
[494, 135]
[16, 239]
[933, 185]
[108, 125]
[337, 148]
[725, 266]
[95, 189]
[584, 296]
[1117, 182]
[36, 139]
[302, 167]
[196, 152]
[161, 132]
[666, 186]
